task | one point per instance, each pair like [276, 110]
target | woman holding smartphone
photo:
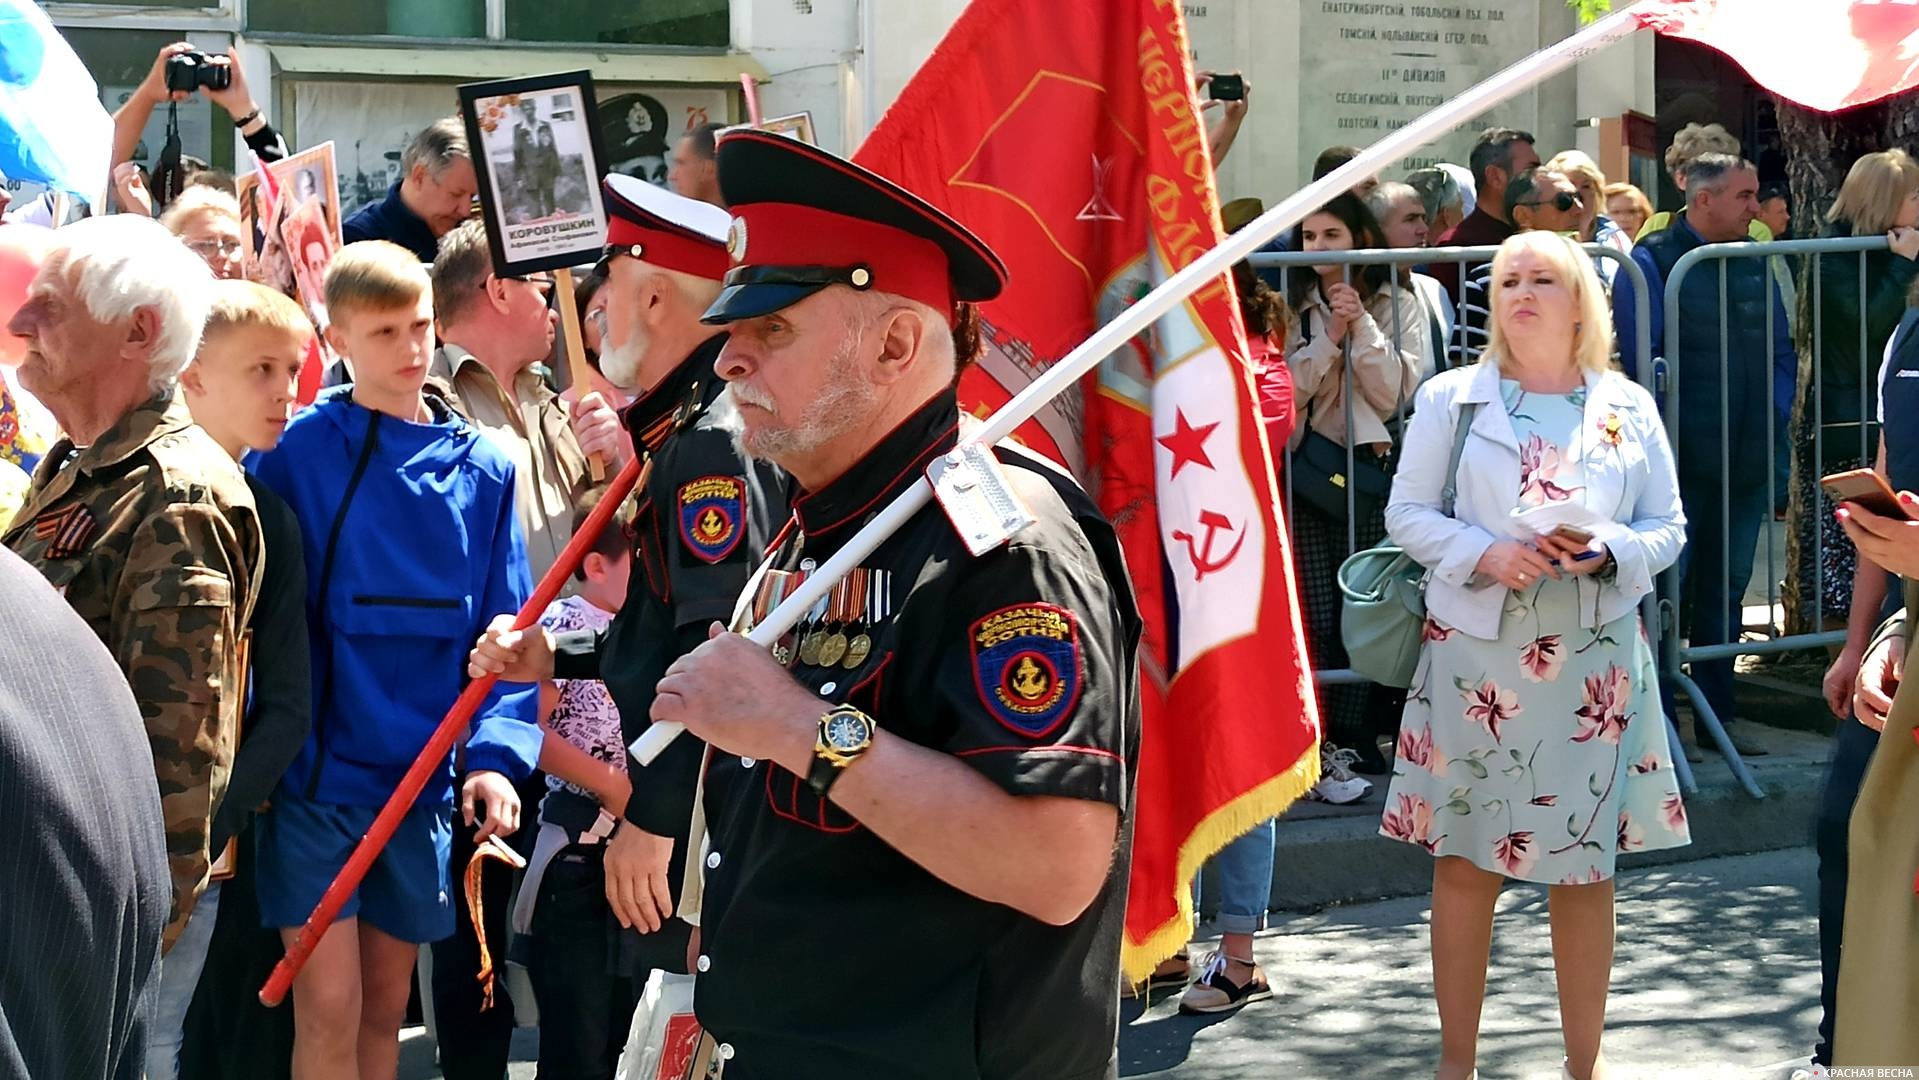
[1533, 745]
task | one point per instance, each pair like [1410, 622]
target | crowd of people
[1413, 343]
[285, 599]
[293, 596]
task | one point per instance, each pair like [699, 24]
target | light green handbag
[1383, 616]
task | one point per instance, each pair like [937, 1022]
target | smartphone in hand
[1573, 534]
[1866, 488]
[1227, 87]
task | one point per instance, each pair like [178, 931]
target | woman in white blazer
[1532, 744]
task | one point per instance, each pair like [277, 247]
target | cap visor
[750, 301]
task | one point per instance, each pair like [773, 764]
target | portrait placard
[537, 142]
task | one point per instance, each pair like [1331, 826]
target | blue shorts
[407, 893]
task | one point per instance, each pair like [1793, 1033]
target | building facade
[367, 74]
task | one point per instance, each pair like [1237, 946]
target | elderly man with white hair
[144, 524]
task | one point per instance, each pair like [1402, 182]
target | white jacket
[1635, 476]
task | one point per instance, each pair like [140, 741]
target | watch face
[845, 733]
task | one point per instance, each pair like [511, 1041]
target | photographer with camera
[179, 71]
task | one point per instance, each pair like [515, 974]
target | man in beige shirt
[493, 331]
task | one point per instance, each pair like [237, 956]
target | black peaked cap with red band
[804, 219]
[668, 230]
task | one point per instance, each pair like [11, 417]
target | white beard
[843, 403]
[621, 364]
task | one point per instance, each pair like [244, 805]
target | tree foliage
[1590, 10]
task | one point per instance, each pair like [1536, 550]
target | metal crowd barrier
[1675, 653]
[1656, 612]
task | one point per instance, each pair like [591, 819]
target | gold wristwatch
[845, 734]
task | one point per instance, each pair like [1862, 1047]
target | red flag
[1069, 138]
[1823, 54]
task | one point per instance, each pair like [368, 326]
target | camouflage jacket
[151, 534]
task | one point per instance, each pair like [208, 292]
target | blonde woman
[1583, 171]
[1880, 197]
[1533, 745]
[207, 221]
[1628, 207]
[1594, 227]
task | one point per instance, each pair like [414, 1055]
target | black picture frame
[543, 209]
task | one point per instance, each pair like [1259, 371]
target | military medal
[812, 630]
[858, 645]
[810, 646]
[872, 590]
[833, 649]
[786, 649]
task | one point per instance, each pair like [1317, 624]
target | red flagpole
[433, 757]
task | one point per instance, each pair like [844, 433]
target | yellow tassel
[1224, 825]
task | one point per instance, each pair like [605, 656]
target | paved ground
[1717, 977]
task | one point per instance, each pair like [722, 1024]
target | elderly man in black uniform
[920, 806]
[705, 516]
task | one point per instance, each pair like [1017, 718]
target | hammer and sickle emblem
[1201, 553]
[1028, 681]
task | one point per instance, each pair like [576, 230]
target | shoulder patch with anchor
[1026, 666]
[712, 516]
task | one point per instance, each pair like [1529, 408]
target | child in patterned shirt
[569, 931]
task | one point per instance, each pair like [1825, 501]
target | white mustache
[746, 395]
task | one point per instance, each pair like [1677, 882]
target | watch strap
[822, 775]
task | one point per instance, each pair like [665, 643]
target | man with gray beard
[919, 801]
[705, 516]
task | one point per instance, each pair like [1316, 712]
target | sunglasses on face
[1561, 202]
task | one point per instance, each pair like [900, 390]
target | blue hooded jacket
[412, 547]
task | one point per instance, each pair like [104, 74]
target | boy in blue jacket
[407, 516]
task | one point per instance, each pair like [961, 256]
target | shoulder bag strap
[1460, 429]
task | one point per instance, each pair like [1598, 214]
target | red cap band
[670, 251]
[787, 234]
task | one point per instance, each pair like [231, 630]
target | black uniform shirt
[830, 954]
[705, 516]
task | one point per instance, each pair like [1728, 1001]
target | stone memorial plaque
[1369, 67]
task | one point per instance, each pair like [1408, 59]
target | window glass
[658, 22]
[361, 18]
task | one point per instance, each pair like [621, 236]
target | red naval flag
[1068, 137]
[1826, 55]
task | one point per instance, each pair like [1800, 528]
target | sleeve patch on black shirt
[712, 516]
[1026, 666]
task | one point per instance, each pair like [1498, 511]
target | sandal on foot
[1213, 992]
[1175, 970]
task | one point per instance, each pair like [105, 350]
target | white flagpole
[1168, 295]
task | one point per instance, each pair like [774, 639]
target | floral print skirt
[1542, 755]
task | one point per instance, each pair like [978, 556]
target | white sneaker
[1338, 784]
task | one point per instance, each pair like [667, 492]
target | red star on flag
[1187, 443]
